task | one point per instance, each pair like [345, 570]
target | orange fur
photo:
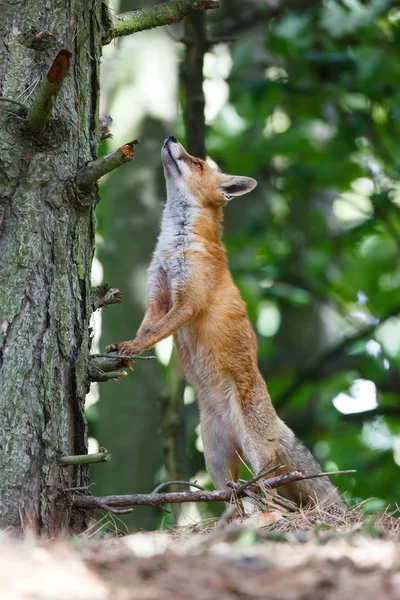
[193, 297]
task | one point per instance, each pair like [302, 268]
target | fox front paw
[124, 349]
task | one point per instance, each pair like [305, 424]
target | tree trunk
[46, 248]
[192, 76]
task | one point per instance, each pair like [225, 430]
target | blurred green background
[304, 97]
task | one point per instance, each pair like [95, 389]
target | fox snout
[171, 154]
[171, 146]
[176, 160]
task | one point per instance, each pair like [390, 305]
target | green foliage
[313, 115]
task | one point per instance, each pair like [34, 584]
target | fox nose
[172, 138]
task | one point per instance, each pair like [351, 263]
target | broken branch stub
[105, 164]
[41, 109]
[103, 367]
[104, 295]
[100, 366]
[86, 459]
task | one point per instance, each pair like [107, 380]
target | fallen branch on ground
[158, 499]
[281, 480]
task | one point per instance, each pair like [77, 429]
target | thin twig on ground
[178, 482]
[258, 477]
[157, 499]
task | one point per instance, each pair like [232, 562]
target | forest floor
[303, 556]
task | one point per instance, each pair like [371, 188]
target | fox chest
[175, 242]
[177, 269]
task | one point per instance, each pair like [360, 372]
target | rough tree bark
[46, 248]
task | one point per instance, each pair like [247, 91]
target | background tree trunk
[46, 248]
[129, 424]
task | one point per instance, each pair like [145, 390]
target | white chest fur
[177, 237]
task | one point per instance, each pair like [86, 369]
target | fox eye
[198, 164]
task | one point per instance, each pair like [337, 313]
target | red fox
[191, 295]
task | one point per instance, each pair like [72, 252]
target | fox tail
[295, 456]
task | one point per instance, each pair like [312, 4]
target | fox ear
[232, 185]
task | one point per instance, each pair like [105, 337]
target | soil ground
[302, 557]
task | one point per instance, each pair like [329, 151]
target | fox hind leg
[220, 452]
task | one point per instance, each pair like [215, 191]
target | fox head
[185, 174]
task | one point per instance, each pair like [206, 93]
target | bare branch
[166, 13]
[103, 295]
[41, 109]
[105, 164]
[85, 459]
[153, 499]
[158, 499]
